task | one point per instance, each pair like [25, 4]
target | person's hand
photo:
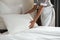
[32, 24]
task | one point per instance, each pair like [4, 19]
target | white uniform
[48, 13]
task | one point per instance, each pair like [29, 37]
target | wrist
[34, 21]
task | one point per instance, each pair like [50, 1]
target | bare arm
[38, 13]
[33, 9]
[36, 17]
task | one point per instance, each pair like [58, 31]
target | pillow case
[15, 6]
[16, 22]
[5, 9]
[2, 25]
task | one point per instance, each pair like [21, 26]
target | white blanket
[40, 33]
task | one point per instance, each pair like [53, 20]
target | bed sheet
[40, 33]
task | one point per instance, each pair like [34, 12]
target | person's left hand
[32, 24]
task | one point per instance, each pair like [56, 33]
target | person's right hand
[32, 24]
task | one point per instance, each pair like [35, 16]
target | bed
[10, 14]
[14, 7]
[39, 33]
[18, 29]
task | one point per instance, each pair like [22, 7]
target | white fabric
[35, 3]
[2, 25]
[17, 22]
[48, 16]
[4, 9]
[40, 33]
[43, 2]
[15, 6]
[46, 3]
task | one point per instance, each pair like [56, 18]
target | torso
[47, 13]
[43, 1]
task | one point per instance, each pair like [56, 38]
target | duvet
[40, 33]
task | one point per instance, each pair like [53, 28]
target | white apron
[48, 16]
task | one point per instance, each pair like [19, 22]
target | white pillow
[5, 9]
[27, 5]
[16, 22]
[2, 25]
[8, 6]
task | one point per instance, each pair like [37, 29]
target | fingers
[32, 21]
[31, 26]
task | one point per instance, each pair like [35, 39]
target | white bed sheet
[40, 33]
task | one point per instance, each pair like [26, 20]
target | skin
[36, 17]
[32, 10]
[40, 9]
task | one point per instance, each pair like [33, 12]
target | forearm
[38, 13]
[33, 9]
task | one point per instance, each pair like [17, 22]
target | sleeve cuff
[44, 4]
[35, 3]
